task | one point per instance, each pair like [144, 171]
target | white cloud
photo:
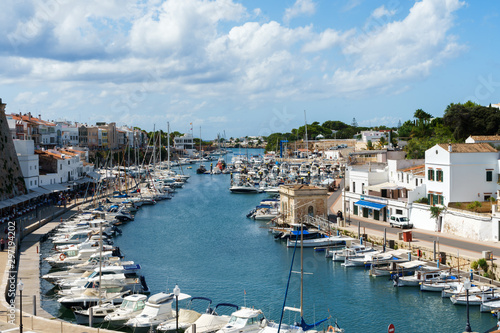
[382, 11]
[326, 40]
[401, 50]
[300, 7]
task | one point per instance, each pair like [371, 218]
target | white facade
[67, 134]
[185, 143]
[406, 173]
[28, 162]
[372, 136]
[461, 174]
[332, 155]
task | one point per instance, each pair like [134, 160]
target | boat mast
[100, 261]
[168, 145]
[302, 269]
[307, 144]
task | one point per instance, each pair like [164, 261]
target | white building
[185, 143]
[461, 172]
[28, 162]
[372, 136]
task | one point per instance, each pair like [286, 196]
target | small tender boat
[423, 275]
[323, 241]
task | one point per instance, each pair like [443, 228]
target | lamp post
[467, 285]
[177, 292]
[20, 286]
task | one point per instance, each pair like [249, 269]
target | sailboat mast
[302, 269]
[168, 144]
[307, 144]
[100, 261]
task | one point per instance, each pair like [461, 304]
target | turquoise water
[202, 241]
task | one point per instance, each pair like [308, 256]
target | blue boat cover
[370, 204]
[263, 206]
[297, 232]
[307, 327]
[129, 267]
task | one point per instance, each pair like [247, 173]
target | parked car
[400, 221]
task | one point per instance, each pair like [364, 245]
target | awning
[55, 187]
[82, 181]
[369, 204]
[40, 190]
[383, 186]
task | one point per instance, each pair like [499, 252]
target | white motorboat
[131, 307]
[99, 312]
[158, 309]
[245, 320]
[90, 298]
[186, 318]
[420, 276]
[244, 189]
[320, 242]
[351, 251]
[212, 321]
[475, 299]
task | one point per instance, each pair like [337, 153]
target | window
[489, 175]
[354, 187]
[35, 182]
[408, 178]
[60, 166]
[439, 175]
[430, 174]
[399, 212]
[310, 211]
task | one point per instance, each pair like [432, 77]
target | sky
[246, 67]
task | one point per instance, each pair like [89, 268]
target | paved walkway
[29, 273]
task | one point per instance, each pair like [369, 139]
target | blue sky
[246, 67]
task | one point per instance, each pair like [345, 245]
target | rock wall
[11, 177]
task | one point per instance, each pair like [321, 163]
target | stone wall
[11, 177]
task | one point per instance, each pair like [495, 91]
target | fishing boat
[423, 275]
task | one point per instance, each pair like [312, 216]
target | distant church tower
[399, 124]
[354, 122]
[11, 177]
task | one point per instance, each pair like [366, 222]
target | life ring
[62, 256]
[330, 329]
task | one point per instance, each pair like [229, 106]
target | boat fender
[62, 256]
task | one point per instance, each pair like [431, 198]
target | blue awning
[368, 204]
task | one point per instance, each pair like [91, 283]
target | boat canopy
[412, 264]
[369, 204]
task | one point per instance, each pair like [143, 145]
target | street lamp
[20, 286]
[467, 285]
[177, 292]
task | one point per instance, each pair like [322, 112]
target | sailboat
[301, 327]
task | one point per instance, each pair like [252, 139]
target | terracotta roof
[33, 119]
[485, 137]
[469, 148]
[414, 169]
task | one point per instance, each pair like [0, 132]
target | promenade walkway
[29, 273]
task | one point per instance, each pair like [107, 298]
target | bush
[483, 264]
[474, 265]
[474, 206]
[422, 200]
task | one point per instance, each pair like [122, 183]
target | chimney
[29, 115]
[40, 117]
[449, 148]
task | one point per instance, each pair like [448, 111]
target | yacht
[158, 309]
[131, 307]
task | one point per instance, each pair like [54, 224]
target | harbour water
[202, 241]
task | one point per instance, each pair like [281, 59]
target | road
[442, 239]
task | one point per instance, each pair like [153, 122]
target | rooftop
[469, 147]
[485, 137]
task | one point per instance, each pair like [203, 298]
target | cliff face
[11, 177]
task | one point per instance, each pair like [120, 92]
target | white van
[400, 221]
